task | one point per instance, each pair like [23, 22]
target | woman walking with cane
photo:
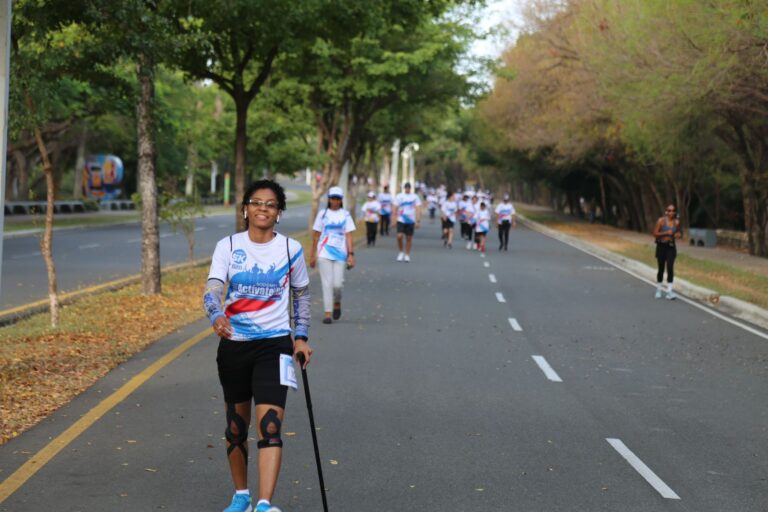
[261, 268]
[332, 250]
[666, 230]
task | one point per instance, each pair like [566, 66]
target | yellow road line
[42, 457]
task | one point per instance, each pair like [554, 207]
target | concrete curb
[722, 303]
[13, 315]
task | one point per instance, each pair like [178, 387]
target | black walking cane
[314, 432]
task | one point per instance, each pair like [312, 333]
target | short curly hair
[262, 184]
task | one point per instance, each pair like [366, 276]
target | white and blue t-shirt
[449, 210]
[371, 210]
[385, 198]
[482, 220]
[504, 212]
[406, 207]
[257, 297]
[333, 226]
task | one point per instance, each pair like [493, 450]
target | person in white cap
[408, 218]
[506, 217]
[332, 250]
[371, 209]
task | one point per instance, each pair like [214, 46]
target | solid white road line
[133, 240]
[500, 297]
[514, 324]
[166, 235]
[548, 371]
[25, 256]
[88, 246]
[646, 472]
[705, 308]
[486, 264]
[201, 228]
[492, 278]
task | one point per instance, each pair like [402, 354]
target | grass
[44, 368]
[69, 221]
[74, 219]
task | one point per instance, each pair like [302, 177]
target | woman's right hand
[222, 327]
[312, 261]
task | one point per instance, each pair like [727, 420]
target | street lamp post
[395, 160]
[409, 164]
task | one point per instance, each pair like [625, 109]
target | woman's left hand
[351, 261]
[301, 346]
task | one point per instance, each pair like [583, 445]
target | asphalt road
[522, 381]
[93, 255]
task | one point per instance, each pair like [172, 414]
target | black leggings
[384, 224]
[666, 254]
[504, 234]
[370, 231]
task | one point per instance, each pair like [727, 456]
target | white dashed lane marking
[514, 324]
[500, 297]
[486, 264]
[646, 472]
[548, 371]
[88, 246]
[492, 278]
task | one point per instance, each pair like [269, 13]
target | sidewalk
[728, 279]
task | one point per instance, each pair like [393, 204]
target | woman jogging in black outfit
[260, 268]
[666, 231]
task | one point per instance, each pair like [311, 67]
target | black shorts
[447, 224]
[406, 229]
[251, 369]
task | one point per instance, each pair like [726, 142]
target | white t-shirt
[449, 210]
[333, 226]
[385, 198]
[371, 209]
[406, 207]
[432, 200]
[483, 220]
[471, 210]
[504, 211]
[257, 297]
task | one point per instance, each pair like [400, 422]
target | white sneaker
[671, 296]
[407, 258]
[400, 256]
[658, 293]
[469, 245]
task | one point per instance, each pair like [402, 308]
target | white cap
[336, 192]
[371, 194]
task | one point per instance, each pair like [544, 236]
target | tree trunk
[22, 174]
[77, 191]
[46, 243]
[150, 239]
[241, 146]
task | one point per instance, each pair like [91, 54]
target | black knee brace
[270, 430]
[239, 439]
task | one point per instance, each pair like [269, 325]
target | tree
[236, 48]
[373, 57]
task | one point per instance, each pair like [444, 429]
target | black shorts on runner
[406, 229]
[447, 224]
[251, 369]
